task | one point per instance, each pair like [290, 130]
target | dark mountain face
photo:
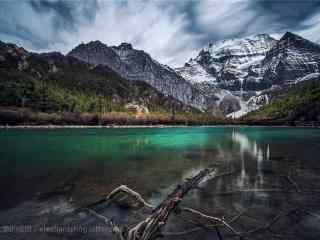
[293, 57]
[137, 65]
[97, 53]
[29, 72]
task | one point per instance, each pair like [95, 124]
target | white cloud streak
[233, 18]
[163, 28]
[24, 26]
[151, 26]
[311, 28]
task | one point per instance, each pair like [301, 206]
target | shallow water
[153, 160]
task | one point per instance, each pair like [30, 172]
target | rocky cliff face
[229, 64]
[251, 69]
[291, 58]
[136, 65]
[231, 77]
[39, 77]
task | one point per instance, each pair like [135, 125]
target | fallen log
[150, 228]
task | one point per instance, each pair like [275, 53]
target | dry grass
[24, 116]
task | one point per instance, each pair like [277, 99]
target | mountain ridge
[225, 61]
[266, 66]
[230, 77]
[36, 76]
[135, 65]
[292, 57]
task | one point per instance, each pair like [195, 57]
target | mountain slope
[299, 103]
[137, 65]
[291, 58]
[228, 64]
[54, 82]
[252, 69]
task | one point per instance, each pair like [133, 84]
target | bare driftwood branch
[195, 229]
[273, 221]
[312, 214]
[115, 228]
[128, 197]
[293, 183]
[150, 228]
[212, 219]
[263, 227]
[124, 196]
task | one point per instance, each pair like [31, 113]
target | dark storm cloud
[37, 24]
[67, 12]
[290, 14]
[234, 18]
[171, 30]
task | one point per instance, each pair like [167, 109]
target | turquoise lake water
[152, 161]
[155, 157]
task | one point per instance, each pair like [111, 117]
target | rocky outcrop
[229, 104]
[136, 108]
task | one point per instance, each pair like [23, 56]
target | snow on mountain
[291, 58]
[228, 63]
[246, 106]
[227, 76]
[228, 69]
[246, 67]
[308, 77]
[195, 73]
[254, 45]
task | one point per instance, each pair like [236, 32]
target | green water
[35, 151]
[153, 160]
[139, 156]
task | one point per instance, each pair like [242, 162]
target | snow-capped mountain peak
[257, 44]
[230, 76]
[291, 58]
[247, 66]
[226, 63]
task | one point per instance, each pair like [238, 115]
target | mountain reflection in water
[270, 171]
[260, 153]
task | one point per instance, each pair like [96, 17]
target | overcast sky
[172, 31]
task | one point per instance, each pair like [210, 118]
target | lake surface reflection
[265, 171]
